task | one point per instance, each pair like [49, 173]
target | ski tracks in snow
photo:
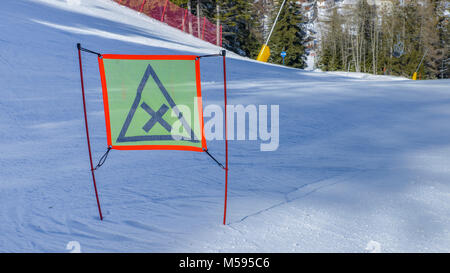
[304, 191]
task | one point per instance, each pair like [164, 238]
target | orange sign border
[152, 57]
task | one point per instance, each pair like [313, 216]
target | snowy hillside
[361, 158]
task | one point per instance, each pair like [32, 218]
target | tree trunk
[198, 19]
[190, 17]
[218, 24]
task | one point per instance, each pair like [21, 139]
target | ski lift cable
[274, 23]
[423, 57]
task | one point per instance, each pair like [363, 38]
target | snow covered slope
[360, 158]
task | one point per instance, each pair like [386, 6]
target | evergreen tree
[288, 35]
[180, 3]
[207, 6]
[409, 30]
[364, 38]
[240, 23]
[331, 56]
[436, 37]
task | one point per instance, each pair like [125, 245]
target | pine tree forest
[390, 37]
[398, 38]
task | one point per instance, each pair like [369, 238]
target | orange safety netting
[177, 17]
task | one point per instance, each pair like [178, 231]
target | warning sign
[152, 103]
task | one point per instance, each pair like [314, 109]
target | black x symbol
[156, 117]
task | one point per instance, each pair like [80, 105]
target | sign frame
[152, 57]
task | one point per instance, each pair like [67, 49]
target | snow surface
[363, 160]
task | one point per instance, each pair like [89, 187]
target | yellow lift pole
[264, 53]
[414, 77]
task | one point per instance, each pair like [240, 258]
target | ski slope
[361, 158]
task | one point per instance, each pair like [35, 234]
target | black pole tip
[224, 52]
[78, 45]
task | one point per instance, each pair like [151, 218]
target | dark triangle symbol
[122, 138]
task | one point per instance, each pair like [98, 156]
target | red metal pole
[203, 31]
[164, 11]
[226, 136]
[87, 131]
[142, 6]
[184, 20]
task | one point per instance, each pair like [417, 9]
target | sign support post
[283, 55]
[87, 131]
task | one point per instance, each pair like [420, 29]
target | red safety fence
[177, 17]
